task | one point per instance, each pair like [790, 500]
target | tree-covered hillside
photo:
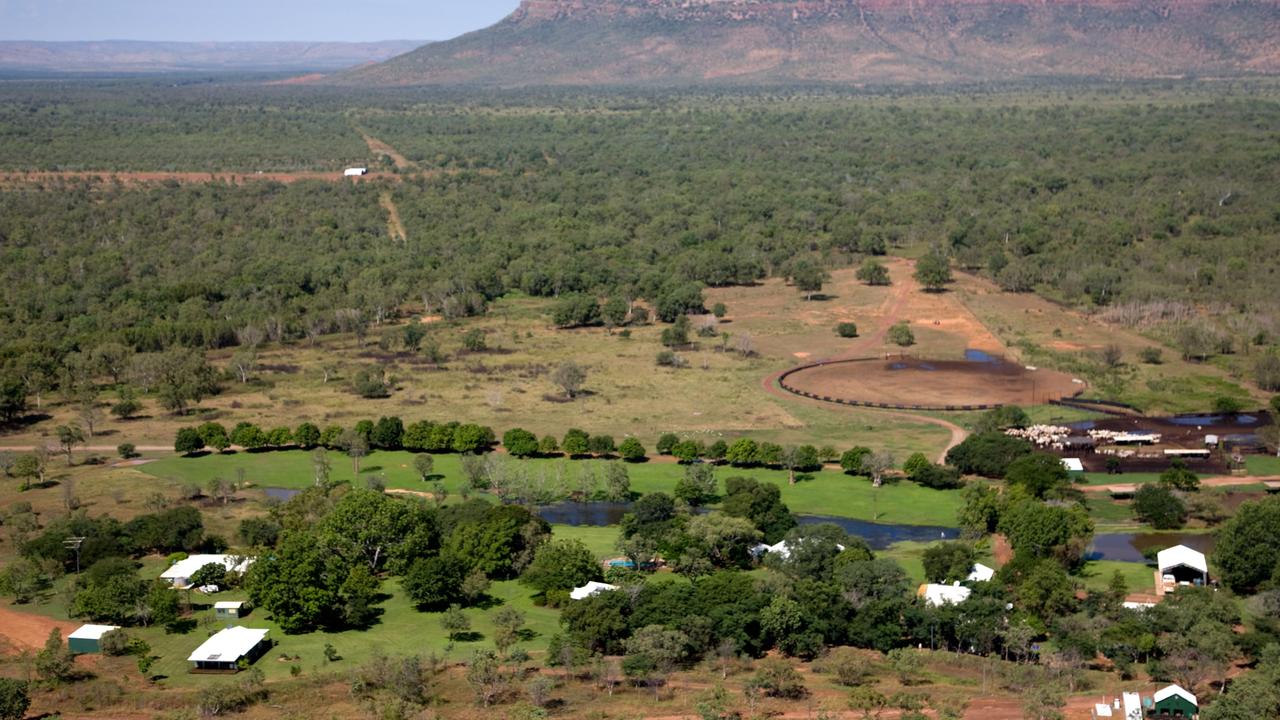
[1159, 206]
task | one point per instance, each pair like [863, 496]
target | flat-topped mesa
[633, 42]
[540, 10]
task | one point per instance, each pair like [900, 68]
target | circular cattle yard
[922, 384]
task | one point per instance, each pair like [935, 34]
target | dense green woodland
[1159, 195]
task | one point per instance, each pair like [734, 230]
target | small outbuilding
[591, 589]
[88, 638]
[1073, 465]
[229, 609]
[1180, 565]
[355, 172]
[1174, 702]
[223, 652]
[980, 573]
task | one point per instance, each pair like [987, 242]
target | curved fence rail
[782, 382]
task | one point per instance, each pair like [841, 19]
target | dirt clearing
[914, 383]
[26, 631]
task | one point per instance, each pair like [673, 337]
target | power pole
[74, 543]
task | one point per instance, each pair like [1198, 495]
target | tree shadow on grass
[466, 637]
[180, 627]
[486, 602]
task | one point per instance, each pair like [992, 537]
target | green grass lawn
[401, 630]
[827, 493]
[1121, 479]
[1109, 514]
[599, 539]
[910, 555]
[1137, 576]
[1263, 465]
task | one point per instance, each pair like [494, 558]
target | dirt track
[1221, 481]
[891, 314]
[186, 178]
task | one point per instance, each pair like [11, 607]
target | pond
[979, 356]
[1128, 547]
[281, 494]
[878, 535]
[1215, 420]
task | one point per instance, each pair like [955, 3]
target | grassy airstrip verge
[827, 493]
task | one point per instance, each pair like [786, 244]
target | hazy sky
[350, 20]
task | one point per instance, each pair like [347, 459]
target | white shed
[591, 589]
[355, 172]
[1183, 565]
[1073, 464]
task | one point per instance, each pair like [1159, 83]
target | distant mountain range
[847, 41]
[126, 56]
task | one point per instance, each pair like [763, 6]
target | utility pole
[74, 543]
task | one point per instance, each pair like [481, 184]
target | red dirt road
[1221, 481]
[186, 178]
[26, 631]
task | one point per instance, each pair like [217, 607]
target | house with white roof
[936, 595]
[223, 651]
[591, 589]
[179, 574]
[1073, 465]
[1180, 565]
[981, 573]
[781, 549]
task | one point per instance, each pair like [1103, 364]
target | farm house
[179, 574]
[224, 651]
[1180, 565]
[591, 589]
[88, 638]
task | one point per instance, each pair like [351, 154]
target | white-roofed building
[590, 589]
[88, 638]
[224, 651]
[782, 549]
[981, 573]
[1132, 706]
[1101, 710]
[1075, 465]
[1174, 702]
[179, 574]
[1180, 565]
[355, 172]
[229, 609]
[936, 595]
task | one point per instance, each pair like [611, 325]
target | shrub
[474, 341]
[114, 643]
[1151, 355]
[128, 451]
[847, 330]
[631, 450]
[901, 335]
[849, 666]
[937, 477]
[777, 678]
[1159, 507]
[666, 442]
[668, 358]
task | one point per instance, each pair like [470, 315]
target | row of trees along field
[1166, 220]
